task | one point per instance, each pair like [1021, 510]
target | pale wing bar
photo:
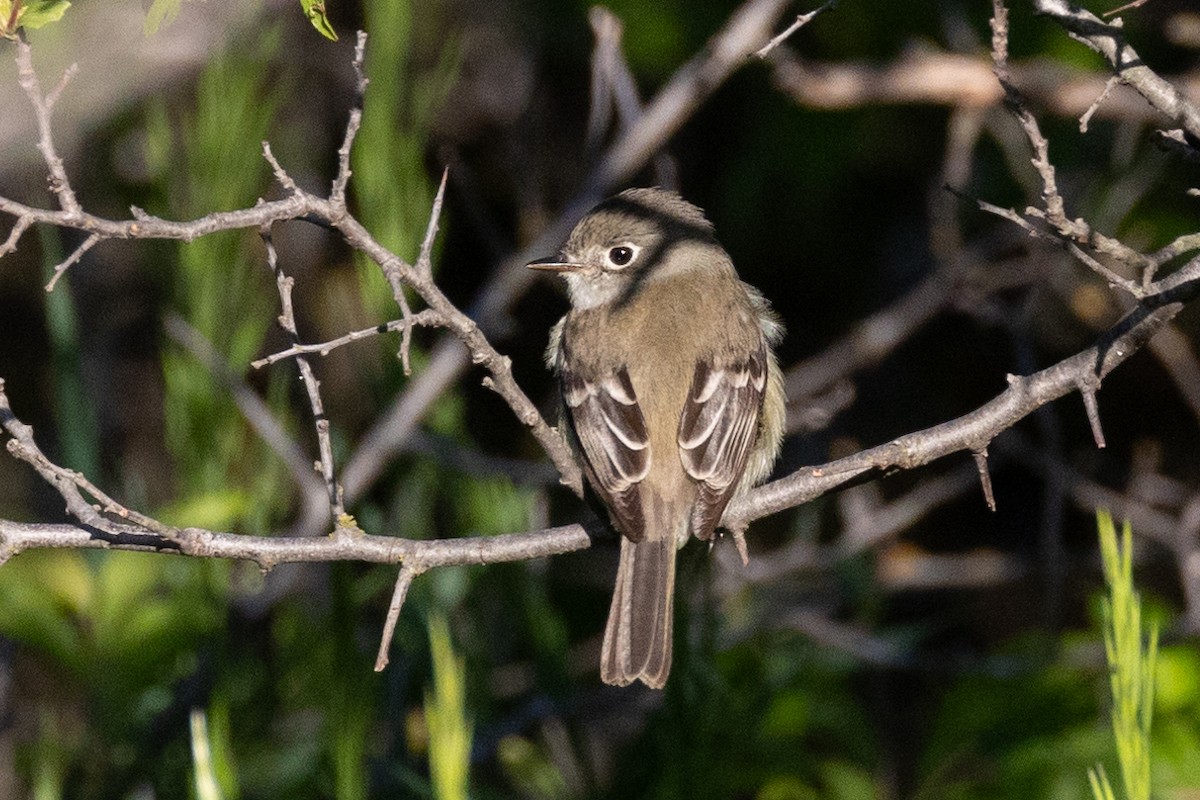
[612, 433]
[717, 431]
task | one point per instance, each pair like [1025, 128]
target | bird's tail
[637, 639]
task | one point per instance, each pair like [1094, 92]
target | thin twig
[42, 106]
[403, 580]
[985, 477]
[68, 482]
[79, 252]
[19, 227]
[1109, 85]
[800, 22]
[1108, 39]
[287, 320]
[281, 174]
[342, 180]
[425, 317]
[424, 267]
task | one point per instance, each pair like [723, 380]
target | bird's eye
[621, 255]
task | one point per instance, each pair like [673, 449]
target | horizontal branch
[971, 432]
[268, 551]
[929, 77]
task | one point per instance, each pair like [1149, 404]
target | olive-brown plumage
[671, 397]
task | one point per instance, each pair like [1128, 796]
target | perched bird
[672, 398]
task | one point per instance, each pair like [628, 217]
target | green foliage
[17, 14]
[117, 628]
[315, 11]
[204, 772]
[1131, 666]
[222, 289]
[391, 184]
[163, 12]
[446, 715]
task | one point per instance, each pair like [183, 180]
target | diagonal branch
[745, 31]
[287, 321]
[1108, 39]
[42, 106]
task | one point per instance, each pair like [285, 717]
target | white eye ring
[622, 255]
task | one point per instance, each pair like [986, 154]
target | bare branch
[88, 243]
[338, 193]
[985, 477]
[42, 106]
[1075, 231]
[1087, 115]
[19, 227]
[800, 22]
[420, 318]
[968, 432]
[403, 581]
[1023, 395]
[287, 321]
[68, 483]
[269, 551]
[1108, 39]
[1093, 415]
[1133, 288]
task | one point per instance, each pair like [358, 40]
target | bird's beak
[554, 264]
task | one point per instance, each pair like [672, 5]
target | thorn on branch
[739, 541]
[88, 244]
[57, 91]
[424, 258]
[338, 194]
[19, 227]
[426, 317]
[1087, 115]
[800, 22]
[1093, 414]
[1126, 7]
[985, 477]
[424, 267]
[281, 175]
[403, 581]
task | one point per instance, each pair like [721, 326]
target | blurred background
[894, 640]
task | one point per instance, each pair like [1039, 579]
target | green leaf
[315, 11]
[162, 12]
[450, 730]
[41, 12]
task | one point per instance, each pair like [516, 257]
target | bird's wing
[611, 430]
[717, 431]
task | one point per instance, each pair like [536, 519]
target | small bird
[672, 398]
